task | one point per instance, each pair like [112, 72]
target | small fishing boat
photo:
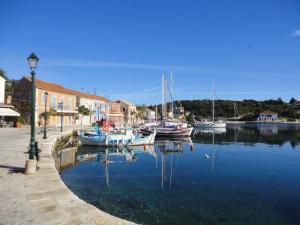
[125, 137]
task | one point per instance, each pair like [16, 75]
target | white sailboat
[168, 127]
[211, 124]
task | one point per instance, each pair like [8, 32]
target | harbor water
[246, 175]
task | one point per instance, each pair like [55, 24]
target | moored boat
[175, 130]
[113, 138]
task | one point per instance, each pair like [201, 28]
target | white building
[2, 89]
[97, 106]
[6, 111]
[267, 116]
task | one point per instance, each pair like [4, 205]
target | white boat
[213, 123]
[215, 130]
[168, 131]
[127, 138]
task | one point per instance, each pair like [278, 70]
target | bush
[20, 120]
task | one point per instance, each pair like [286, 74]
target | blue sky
[249, 49]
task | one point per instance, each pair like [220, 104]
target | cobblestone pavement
[41, 198]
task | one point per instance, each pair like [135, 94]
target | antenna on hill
[82, 89]
[95, 91]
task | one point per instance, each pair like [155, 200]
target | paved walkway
[41, 198]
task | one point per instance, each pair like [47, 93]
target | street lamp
[61, 105]
[32, 61]
[45, 115]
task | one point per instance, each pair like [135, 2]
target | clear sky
[249, 49]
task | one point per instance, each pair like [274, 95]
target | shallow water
[248, 175]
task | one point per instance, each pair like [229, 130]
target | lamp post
[31, 163]
[32, 61]
[61, 105]
[45, 115]
[98, 113]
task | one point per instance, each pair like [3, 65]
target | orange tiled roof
[89, 96]
[60, 89]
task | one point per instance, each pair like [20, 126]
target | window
[70, 103]
[103, 107]
[54, 102]
[43, 99]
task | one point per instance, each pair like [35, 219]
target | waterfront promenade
[41, 198]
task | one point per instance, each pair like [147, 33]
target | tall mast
[155, 113]
[172, 106]
[163, 96]
[213, 103]
[164, 107]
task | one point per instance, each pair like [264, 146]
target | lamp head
[32, 61]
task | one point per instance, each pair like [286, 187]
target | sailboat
[167, 127]
[211, 124]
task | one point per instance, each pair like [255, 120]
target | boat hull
[210, 125]
[94, 141]
[169, 132]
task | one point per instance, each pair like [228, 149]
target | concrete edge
[48, 195]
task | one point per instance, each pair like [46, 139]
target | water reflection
[271, 134]
[170, 150]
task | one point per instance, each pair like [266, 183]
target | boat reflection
[113, 155]
[213, 155]
[217, 130]
[122, 154]
[170, 150]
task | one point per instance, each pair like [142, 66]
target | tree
[3, 74]
[142, 111]
[293, 101]
[46, 115]
[83, 111]
[8, 84]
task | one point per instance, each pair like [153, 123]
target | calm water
[248, 175]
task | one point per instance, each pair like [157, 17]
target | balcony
[66, 108]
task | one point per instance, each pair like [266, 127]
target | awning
[8, 112]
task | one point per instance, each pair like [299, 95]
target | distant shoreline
[263, 122]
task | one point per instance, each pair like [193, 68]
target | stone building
[57, 94]
[115, 114]
[129, 111]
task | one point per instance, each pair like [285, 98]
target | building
[97, 105]
[61, 102]
[267, 116]
[58, 94]
[115, 113]
[129, 111]
[7, 112]
[2, 89]
[150, 115]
